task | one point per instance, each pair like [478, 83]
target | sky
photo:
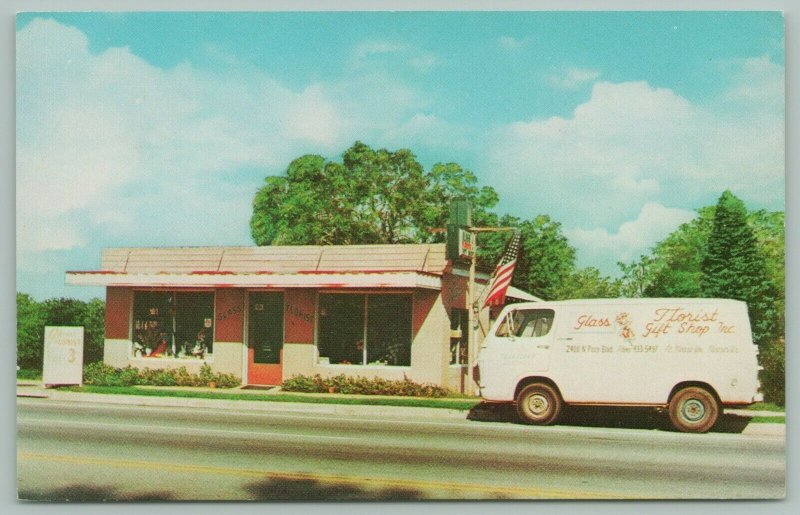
[152, 129]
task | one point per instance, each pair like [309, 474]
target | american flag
[503, 273]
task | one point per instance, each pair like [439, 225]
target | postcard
[452, 255]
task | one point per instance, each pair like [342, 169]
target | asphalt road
[87, 452]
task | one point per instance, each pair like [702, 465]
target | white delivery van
[690, 356]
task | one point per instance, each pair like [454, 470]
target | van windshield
[526, 323]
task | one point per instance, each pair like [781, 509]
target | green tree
[32, 317]
[381, 196]
[587, 283]
[94, 324]
[675, 267]
[734, 267]
[30, 332]
[372, 196]
[448, 182]
[546, 261]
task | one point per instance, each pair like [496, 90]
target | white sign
[466, 244]
[63, 356]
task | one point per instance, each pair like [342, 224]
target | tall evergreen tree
[734, 267]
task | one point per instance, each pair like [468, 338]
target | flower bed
[101, 374]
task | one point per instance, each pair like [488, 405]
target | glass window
[526, 323]
[173, 324]
[389, 330]
[356, 329]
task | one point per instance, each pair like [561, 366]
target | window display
[173, 324]
[358, 329]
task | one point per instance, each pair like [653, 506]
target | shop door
[265, 338]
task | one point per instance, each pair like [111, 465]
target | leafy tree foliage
[373, 196]
[33, 316]
[30, 332]
[734, 267]
[382, 196]
[546, 259]
[588, 283]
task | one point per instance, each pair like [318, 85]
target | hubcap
[538, 404]
[693, 410]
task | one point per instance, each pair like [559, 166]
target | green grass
[29, 374]
[766, 406]
[768, 420]
[456, 404]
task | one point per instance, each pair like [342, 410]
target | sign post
[63, 356]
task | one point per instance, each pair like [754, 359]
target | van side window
[526, 323]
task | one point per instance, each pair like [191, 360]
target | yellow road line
[520, 492]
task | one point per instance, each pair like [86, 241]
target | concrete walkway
[33, 389]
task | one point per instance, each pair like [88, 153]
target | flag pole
[472, 326]
[472, 306]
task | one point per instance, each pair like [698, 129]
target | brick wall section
[118, 312]
[229, 316]
[299, 316]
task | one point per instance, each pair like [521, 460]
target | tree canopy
[734, 266]
[372, 196]
[33, 316]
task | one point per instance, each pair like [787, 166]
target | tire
[693, 410]
[539, 404]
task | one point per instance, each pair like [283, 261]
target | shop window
[357, 329]
[459, 336]
[173, 324]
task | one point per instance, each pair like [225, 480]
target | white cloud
[630, 143]
[602, 248]
[108, 144]
[573, 78]
[376, 54]
[427, 131]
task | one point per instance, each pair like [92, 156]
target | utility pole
[462, 241]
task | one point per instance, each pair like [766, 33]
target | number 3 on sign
[71, 355]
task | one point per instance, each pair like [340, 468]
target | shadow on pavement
[627, 418]
[311, 490]
[83, 493]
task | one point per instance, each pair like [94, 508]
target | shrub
[773, 377]
[101, 374]
[361, 385]
[98, 373]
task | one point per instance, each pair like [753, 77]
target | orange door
[265, 338]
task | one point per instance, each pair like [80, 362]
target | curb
[356, 410]
[260, 406]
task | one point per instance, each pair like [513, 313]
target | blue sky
[148, 129]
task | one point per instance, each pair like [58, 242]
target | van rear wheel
[693, 410]
[539, 404]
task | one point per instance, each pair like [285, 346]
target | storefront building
[266, 314]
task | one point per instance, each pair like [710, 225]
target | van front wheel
[693, 410]
[539, 404]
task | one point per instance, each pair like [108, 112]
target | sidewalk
[33, 389]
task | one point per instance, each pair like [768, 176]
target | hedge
[100, 374]
[362, 385]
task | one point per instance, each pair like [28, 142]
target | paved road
[82, 451]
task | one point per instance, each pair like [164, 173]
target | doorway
[265, 338]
